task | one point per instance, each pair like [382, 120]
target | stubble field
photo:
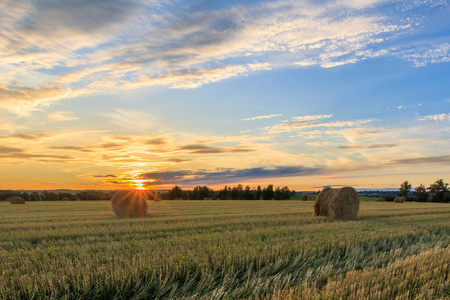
[223, 250]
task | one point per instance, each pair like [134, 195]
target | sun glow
[138, 184]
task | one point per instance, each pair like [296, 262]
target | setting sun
[138, 184]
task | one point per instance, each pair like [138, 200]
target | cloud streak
[223, 175]
[262, 117]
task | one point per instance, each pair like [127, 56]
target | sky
[303, 93]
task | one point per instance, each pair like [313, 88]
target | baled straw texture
[399, 200]
[340, 203]
[16, 200]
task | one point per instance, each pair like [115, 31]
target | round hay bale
[381, 200]
[65, 199]
[127, 204]
[340, 203]
[16, 200]
[399, 200]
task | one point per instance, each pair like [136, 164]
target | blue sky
[96, 94]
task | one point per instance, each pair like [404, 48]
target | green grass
[223, 250]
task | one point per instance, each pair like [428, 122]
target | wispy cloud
[445, 159]
[206, 149]
[314, 121]
[130, 119]
[366, 147]
[436, 118]
[262, 117]
[62, 116]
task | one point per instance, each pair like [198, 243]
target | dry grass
[340, 203]
[222, 249]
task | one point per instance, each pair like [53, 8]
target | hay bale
[399, 200]
[130, 204]
[381, 200]
[340, 203]
[65, 199]
[16, 200]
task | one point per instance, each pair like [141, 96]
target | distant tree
[286, 193]
[35, 196]
[49, 196]
[277, 194]
[305, 198]
[175, 193]
[224, 194]
[25, 196]
[420, 194]
[248, 193]
[201, 192]
[258, 193]
[389, 198]
[439, 191]
[70, 196]
[404, 189]
[267, 193]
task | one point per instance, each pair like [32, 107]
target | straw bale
[16, 200]
[130, 204]
[340, 203]
[399, 200]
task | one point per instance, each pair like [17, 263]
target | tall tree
[175, 193]
[420, 194]
[267, 192]
[439, 191]
[258, 193]
[404, 189]
[248, 194]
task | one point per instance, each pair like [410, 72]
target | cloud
[8, 150]
[436, 118]
[365, 147]
[188, 79]
[314, 121]
[427, 54]
[62, 116]
[205, 149]
[444, 159]
[318, 144]
[129, 44]
[22, 100]
[311, 118]
[71, 148]
[130, 119]
[262, 117]
[223, 175]
[156, 141]
[26, 136]
[105, 176]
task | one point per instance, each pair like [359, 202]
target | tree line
[436, 192]
[238, 192]
[55, 196]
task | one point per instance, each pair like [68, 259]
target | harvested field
[222, 249]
